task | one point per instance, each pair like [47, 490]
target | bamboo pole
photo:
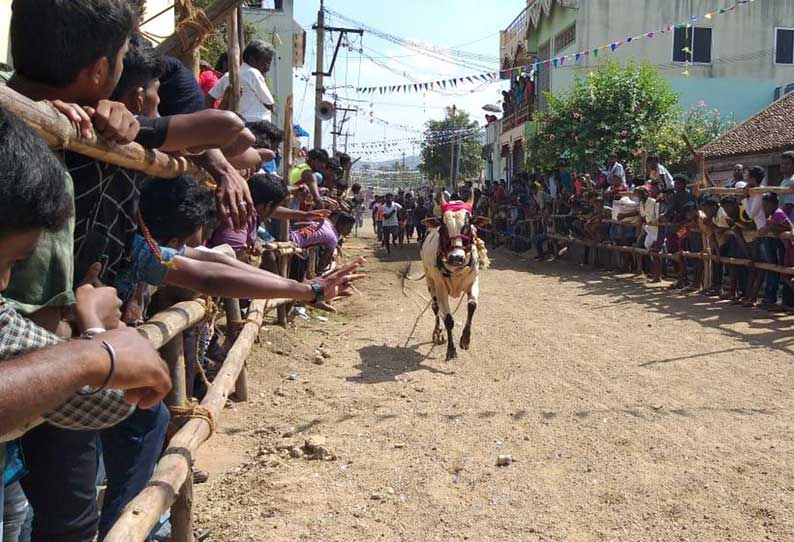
[188, 36]
[191, 56]
[283, 261]
[172, 471]
[234, 319]
[742, 191]
[174, 356]
[740, 262]
[166, 325]
[232, 34]
[60, 133]
[182, 514]
[181, 511]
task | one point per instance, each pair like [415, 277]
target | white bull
[452, 267]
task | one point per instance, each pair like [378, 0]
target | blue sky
[470, 25]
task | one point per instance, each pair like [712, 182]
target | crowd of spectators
[88, 250]
[661, 213]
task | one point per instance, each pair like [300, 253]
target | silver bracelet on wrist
[89, 390]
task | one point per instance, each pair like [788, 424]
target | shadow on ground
[383, 363]
[754, 327]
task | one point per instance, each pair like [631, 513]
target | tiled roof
[771, 130]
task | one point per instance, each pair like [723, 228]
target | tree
[612, 109]
[701, 125]
[216, 43]
[437, 147]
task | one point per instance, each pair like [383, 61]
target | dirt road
[631, 414]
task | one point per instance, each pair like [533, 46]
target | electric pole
[334, 130]
[452, 152]
[318, 82]
[403, 159]
[320, 74]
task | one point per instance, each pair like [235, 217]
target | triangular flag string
[550, 63]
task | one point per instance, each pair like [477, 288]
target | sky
[470, 25]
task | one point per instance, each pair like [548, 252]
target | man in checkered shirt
[74, 385]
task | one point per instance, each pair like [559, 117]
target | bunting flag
[552, 63]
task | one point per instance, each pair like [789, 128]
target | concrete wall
[742, 76]
[278, 28]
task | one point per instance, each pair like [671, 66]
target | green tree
[612, 108]
[216, 43]
[701, 125]
[436, 157]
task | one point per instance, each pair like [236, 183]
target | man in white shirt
[754, 203]
[391, 223]
[256, 101]
[659, 172]
[615, 169]
[787, 170]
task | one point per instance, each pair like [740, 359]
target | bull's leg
[438, 336]
[474, 294]
[449, 323]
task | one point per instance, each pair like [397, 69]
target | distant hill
[411, 162]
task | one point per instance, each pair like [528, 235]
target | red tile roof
[771, 130]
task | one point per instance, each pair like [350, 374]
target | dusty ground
[631, 415]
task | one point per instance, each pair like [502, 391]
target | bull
[452, 264]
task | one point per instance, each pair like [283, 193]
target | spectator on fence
[138, 90]
[737, 177]
[615, 170]
[648, 211]
[268, 136]
[775, 251]
[36, 200]
[787, 170]
[310, 174]
[327, 235]
[658, 171]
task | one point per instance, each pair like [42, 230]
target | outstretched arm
[207, 129]
[219, 275]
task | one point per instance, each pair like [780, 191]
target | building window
[543, 78]
[692, 44]
[784, 46]
[565, 38]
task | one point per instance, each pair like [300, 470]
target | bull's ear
[432, 222]
[480, 221]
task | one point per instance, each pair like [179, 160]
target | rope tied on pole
[180, 415]
[192, 18]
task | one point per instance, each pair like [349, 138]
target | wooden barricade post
[174, 468]
[284, 260]
[233, 36]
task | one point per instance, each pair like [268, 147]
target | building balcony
[517, 118]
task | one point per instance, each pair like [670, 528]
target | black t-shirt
[179, 90]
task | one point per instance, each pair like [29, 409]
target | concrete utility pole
[452, 152]
[318, 82]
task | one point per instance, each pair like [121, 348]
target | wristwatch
[319, 293]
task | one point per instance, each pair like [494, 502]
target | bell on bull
[452, 265]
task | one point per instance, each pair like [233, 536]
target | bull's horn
[442, 198]
[471, 199]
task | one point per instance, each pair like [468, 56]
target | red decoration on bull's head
[454, 206]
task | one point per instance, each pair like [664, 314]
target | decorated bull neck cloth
[454, 206]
